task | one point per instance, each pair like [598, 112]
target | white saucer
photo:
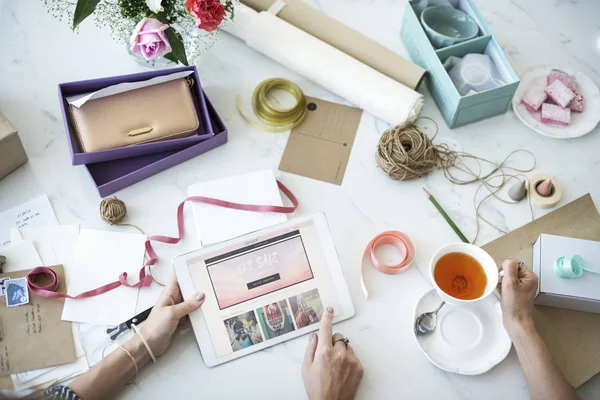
[581, 123]
[469, 339]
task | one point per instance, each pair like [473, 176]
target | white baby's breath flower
[155, 5]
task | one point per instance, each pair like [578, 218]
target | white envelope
[55, 243]
[216, 224]
[100, 257]
[20, 256]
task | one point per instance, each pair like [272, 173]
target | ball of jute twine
[114, 211]
[2, 262]
[406, 153]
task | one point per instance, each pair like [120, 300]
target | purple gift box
[78, 157]
[112, 176]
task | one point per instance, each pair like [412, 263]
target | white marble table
[37, 52]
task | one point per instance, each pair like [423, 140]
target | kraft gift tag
[572, 337]
[320, 146]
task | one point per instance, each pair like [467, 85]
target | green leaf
[83, 10]
[178, 50]
[171, 57]
[161, 16]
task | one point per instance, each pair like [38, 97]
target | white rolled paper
[325, 65]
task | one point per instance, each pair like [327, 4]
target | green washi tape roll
[572, 267]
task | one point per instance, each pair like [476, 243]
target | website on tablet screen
[264, 288]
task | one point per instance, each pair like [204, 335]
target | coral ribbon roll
[400, 241]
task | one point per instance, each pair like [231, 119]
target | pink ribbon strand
[49, 290]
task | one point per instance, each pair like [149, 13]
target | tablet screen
[263, 288]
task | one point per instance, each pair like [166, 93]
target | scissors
[115, 331]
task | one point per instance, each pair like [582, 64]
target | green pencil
[446, 217]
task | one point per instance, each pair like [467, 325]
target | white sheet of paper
[81, 99]
[36, 212]
[55, 244]
[100, 257]
[95, 341]
[20, 256]
[216, 224]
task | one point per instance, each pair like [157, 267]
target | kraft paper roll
[325, 65]
[544, 201]
[345, 39]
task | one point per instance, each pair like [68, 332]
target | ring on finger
[343, 340]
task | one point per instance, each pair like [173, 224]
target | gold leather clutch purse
[152, 113]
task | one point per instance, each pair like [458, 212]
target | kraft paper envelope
[320, 146]
[572, 337]
[33, 335]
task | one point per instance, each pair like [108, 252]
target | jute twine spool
[2, 262]
[114, 211]
[406, 153]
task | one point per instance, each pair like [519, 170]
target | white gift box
[580, 294]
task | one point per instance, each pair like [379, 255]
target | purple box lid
[112, 176]
[79, 157]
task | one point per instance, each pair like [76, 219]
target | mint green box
[458, 110]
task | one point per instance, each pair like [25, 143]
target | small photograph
[307, 308]
[16, 291]
[243, 331]
[2, 288]
[275, 319]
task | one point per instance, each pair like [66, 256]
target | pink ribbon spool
[400, 241]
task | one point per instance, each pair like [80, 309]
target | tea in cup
[463, 273]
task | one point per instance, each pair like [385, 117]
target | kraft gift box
[458, 110]
[112, 176]
[79, 157]
[12, 153]
[579, 294]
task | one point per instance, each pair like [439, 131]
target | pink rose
[149, 39]
[208, 13]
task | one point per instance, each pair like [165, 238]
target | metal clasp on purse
[140, 131]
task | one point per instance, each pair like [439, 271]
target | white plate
[469, 339]
[581, 123]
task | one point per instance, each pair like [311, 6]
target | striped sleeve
[60, 393]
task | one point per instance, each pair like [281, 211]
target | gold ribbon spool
[275, 119]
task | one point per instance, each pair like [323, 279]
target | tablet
[263, 288]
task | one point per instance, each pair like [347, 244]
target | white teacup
[486, 261]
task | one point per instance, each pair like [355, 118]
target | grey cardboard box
[12, 153]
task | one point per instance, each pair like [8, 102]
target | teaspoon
[426, 322]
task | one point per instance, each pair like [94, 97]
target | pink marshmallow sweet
[560, 93]
[534, 98]
[576, 104]
[552, 114]
[570, 81]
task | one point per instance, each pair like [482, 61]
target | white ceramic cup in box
[486, 261]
